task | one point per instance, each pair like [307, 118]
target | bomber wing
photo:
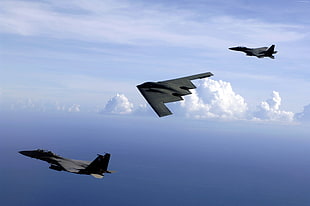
[186, 81]
[157, 99]
[158, 93]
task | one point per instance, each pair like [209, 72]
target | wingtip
[164, 115]
[207, 74]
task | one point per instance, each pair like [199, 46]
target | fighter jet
[258, 52]
[158, 93]
[95, 168]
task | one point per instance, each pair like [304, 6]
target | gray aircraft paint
[95, 168]
[158, 93]
[258, 52]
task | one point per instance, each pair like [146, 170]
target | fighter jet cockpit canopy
[45, 151]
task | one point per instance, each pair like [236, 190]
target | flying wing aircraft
[96, 168]
[258, 52]
[158, 93]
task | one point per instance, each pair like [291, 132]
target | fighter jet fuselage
[95, 168]
[258, 52]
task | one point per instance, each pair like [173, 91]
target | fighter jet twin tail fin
[99, 166]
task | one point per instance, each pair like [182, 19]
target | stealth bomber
[158, 93]
[258, 52]
[96, 168]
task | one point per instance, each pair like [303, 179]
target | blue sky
[84, 53]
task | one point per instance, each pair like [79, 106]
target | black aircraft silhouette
[158, 93]
[96, 168]
[258, 52]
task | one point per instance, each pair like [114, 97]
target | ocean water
[167, 161]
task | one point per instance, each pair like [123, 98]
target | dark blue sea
[159, 161]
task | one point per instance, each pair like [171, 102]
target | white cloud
[74, 108]
[211, 100]
[119, 104]
[304, 116]
[214, 99]
[270, 110]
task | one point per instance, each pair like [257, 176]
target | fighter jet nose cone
[26, 153]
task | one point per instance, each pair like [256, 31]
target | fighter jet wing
[156, 97]
[73, 165]
[259, 51]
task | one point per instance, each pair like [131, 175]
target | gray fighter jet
[95, 168]
[158, 93]
[258, 52]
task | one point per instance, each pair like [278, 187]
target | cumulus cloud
[270, 110]
[304, 116]
[214, 99]
[211, 99]
[119, 104]
[74, 108]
